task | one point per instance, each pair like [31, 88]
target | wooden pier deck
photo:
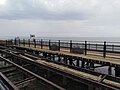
[68, 60]
[111, 59]
[87, 77]
[79, 65]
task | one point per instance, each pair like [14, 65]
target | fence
[81, 47]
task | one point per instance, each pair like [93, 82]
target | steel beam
[43, 80]
[8, 83]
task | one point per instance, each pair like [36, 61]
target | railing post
[85, 47]
[34, 43]
[6, 42]
[104, 49]
[59, 45]
[19, 42]
[41, 44]
[49, 45]
[29, 42]
[70, 46]
[24, 42]
[15, 42]
[11, 41]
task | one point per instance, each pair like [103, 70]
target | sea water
[101, 39]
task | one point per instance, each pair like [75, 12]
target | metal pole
[104, 49]
[19, 42]
[41, 44]
[29, 42]
[6, 42]
[85, 47]
[49, 45]
[24, 42]
[59, 45]
[15, 42]
[70, 46]
[34, 43]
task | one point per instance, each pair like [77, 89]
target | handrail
[104, 47]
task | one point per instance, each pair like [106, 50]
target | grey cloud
[25, 9]
[61, 17]
[44, 15]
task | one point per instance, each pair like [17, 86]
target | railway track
[7, 71]
[75, 73]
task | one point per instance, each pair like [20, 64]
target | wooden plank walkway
[112, 60]
[74, 72]
[78, 73]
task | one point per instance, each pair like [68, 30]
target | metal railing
[88, 47]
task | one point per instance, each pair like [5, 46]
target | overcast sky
[76, 18]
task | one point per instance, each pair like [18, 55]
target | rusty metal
[79, 79]
[43, 80]
[68, 75]
[24, 82]
[8, 83]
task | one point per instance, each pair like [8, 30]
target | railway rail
[75, 73]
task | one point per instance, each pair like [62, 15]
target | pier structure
[61, 65]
